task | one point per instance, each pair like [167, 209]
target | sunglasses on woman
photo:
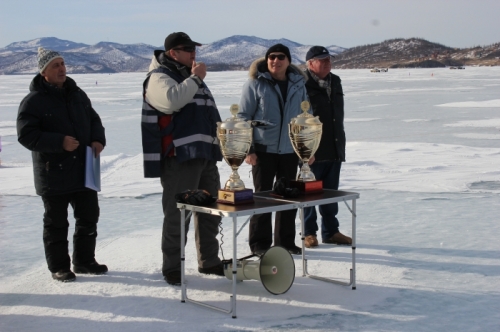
[188, 49]
[274, 56]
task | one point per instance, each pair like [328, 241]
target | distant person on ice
[56, 122]
[327, 100]
[185, 151]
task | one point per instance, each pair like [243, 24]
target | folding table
[265, 202]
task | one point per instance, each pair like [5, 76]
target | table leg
[184, 296]
[235, 259]
[302, 227]
[352, 272]
[353, 244]
[183, 237]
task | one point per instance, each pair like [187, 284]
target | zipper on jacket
[282, 112]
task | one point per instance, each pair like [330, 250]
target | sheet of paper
[92, 170]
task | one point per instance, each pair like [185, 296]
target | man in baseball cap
[327, 99]
[185, 152]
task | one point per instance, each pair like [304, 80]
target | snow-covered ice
[423, 151]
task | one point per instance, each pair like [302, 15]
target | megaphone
[275, 269]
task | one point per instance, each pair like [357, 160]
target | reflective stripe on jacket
[192, 131]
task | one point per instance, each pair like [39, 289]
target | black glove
[281, 187]
[195, 197]
[292, 192]
[262, 123]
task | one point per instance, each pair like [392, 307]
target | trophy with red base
[305, 134]
[235, 138]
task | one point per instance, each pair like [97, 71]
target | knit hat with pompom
[44, 57]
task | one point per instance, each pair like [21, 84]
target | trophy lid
[305, 119]
[234, 121]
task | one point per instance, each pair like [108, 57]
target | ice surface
[423, 151]
[474, 104]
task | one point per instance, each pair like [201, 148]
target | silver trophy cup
[305, 134]
[235, 138]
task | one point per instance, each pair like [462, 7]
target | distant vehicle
[460, 67]
[453, 67]
[375, 70]
[385, 70]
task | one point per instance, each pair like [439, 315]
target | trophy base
[235, 197]
[309, 187]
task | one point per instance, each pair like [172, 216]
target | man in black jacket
[56, 122]
[327, 101]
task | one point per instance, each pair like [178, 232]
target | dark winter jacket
[331, 113]
[48, 114]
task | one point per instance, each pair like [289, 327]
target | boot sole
[65, 280]
[76, 270]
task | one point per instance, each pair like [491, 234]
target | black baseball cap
[178, 38]
[318, 52]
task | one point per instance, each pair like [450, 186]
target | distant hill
[415, 52]
[241, 51]
[103, 57]
[51, 43]
[232, 53]
[238, 52]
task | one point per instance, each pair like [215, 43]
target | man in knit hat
[273, 94]
[56, 122]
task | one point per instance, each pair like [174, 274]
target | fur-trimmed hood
[259, 68]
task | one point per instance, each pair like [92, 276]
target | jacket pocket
[60, 174]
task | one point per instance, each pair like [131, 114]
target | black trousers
[269, 166]
[55, 229]
[175, 178]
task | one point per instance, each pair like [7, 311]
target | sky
[457, 23]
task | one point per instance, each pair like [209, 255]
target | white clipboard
[92, 170]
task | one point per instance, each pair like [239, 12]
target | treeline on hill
[415, 52]
[224, 67]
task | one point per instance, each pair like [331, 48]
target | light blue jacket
[261, 100]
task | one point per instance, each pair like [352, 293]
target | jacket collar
[39, 84]
[161, 59]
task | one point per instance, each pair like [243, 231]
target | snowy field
[423, 151]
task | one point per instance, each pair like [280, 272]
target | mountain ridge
[415, 52]
[237, 52]
[232, 53]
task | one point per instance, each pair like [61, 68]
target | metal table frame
[265, 203]
[259, 206]
[328, 196]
